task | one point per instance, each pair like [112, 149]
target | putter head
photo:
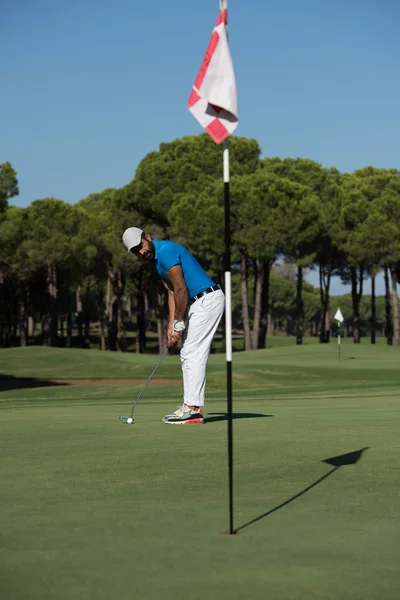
[128, 420]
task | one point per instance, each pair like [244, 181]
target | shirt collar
[156, 243]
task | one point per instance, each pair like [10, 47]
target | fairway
[92, 508]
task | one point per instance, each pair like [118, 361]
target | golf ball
[130, 420]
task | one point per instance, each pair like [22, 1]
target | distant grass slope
[281, 367]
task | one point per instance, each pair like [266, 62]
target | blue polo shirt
[168, 254]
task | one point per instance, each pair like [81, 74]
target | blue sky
[89, 88]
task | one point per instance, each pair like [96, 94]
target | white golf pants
[202, 322]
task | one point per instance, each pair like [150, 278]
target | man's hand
[173, 336]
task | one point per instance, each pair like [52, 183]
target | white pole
[228, 330]
[228, 289]
[228, 317]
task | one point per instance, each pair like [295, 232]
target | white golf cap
[132, 237]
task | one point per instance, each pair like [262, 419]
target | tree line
[63, 267]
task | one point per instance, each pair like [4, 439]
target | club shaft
[147, 382]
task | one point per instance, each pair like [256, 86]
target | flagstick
[339, 318]
[228, 328]
[214, 91]
[228, 316]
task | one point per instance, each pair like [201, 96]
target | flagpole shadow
[350, 458]
[224, 416]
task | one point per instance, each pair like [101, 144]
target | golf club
[130, 419]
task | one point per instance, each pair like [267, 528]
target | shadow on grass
[351, 458]
[224, 416]
[8, 382]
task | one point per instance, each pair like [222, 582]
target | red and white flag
[213, 100]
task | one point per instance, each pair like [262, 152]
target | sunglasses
[136, 249]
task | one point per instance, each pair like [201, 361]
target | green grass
[92, 508]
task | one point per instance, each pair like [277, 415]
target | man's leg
[204, 317]
[202, 322]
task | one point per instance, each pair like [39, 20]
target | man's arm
[171, 307]
[180, 294]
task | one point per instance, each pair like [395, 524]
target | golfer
[196, 305]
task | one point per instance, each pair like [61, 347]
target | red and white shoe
[185, 416]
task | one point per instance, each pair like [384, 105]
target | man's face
[145, 250]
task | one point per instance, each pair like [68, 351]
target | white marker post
[339, 318]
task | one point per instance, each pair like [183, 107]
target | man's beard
[150, 253]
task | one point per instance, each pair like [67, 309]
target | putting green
[94, 508]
